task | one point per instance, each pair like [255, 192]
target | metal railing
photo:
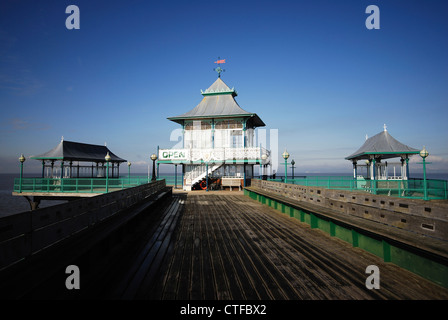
[412, 188]
[86, 185]
[76, 185]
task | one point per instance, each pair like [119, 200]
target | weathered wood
[429, 218]
[32, 258]
[231, 182]
[231, 247]
[50, 225]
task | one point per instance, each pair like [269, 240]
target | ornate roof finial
[385, 127]
[219, 69]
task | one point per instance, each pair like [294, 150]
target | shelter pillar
[373, 172]
[213, 133]
[52, 168]
[244, 133]
[407, 168]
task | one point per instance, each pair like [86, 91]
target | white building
[218, 135]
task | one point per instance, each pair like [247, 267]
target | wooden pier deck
[226, 246]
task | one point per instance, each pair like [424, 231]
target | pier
[199, 245]
[235, 238]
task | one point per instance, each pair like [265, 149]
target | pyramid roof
[382, 144]
[218, 102]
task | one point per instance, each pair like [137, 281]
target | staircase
[199, 173]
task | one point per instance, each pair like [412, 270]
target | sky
[310, 69]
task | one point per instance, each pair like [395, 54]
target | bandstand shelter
[74, 160]
[375, 153]
[219, 133]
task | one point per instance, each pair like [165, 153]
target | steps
[198, 174]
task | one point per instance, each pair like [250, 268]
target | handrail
[76, 185]
[412, 188]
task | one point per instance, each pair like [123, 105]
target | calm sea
[10, 204]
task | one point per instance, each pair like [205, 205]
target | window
[228, 124]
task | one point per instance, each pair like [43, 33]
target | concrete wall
[24, 234]
[424, 217]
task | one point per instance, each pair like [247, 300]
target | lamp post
[263, 166]
[285, 156]
[292, 167]
[367, 168]
[175, 176]
[153, 158]
[22, 160]
[129, 171]
[424, 154]
[107, 158]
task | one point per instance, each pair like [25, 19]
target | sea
[10, 204]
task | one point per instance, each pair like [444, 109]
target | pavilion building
[218, 140]
[74, 160]
[376, 151]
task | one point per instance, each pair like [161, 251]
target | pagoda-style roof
[76, 151]
[218, 102]
[384, 145]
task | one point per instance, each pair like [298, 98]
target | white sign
[174, 154]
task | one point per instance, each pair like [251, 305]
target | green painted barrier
[402, 257]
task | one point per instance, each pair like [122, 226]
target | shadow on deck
[226, 246]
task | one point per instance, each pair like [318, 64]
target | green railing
[76, 185]
[86, 185]
[411, 188]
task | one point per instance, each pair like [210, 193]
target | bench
[231, 182]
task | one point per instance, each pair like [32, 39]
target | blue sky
[310, 69]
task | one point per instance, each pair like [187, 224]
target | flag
[220, 61]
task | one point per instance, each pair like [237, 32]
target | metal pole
[286, 170]
[175, 176]
[21, 173]
[107, 176]
[293, 172]
[244, 173]
[153, 170]
[374, 174]
[206, 176]
[424, 179]
[158, 162]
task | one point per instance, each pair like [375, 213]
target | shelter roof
[382, 144]
[76, 151]
[218, 102]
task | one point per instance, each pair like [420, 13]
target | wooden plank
[14, 250]
[148, 260]
[246, 250]
[14, 225]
